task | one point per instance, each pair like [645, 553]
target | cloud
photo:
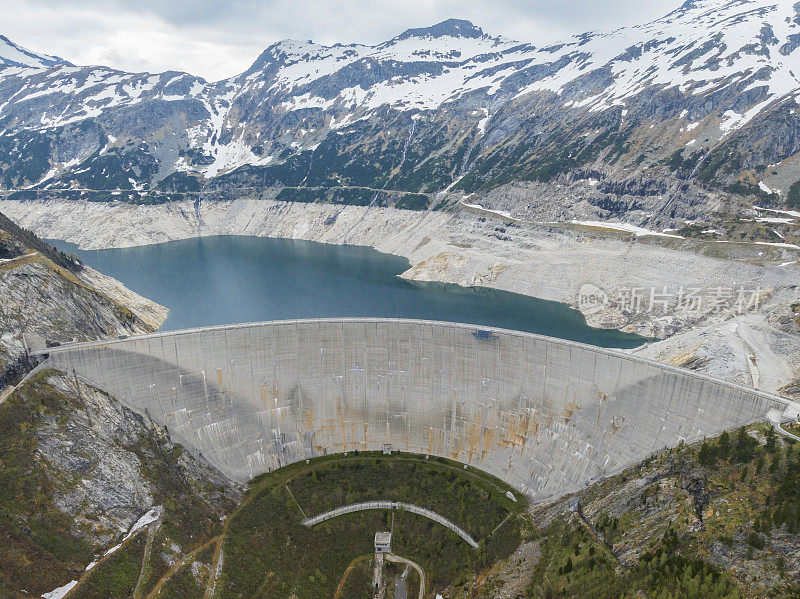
[217, 39]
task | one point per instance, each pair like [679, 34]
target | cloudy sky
[220, 38]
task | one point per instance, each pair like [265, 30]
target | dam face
[547, 416]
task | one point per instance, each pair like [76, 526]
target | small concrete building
[383, 542]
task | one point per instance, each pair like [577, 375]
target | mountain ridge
[14, 55]
[446, 107]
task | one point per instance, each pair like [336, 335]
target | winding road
[391, 557]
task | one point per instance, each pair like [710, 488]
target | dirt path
[396, 558]
[4, 393]
[89, 572]
[17, 260]
[352, 565]
[179, 564]
[295, 501]
[148, 548]
[214, 574]
[768, 369]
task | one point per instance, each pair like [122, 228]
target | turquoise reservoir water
[228, 279]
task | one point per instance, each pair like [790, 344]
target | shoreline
[478, 305]
[471, 250]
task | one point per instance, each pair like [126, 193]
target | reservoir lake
[229, 279]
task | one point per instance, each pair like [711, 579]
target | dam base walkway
[391, 505]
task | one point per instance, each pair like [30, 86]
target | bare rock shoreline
[552, 262]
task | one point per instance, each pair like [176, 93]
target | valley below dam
[757, 347]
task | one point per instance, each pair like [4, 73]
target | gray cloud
[217, 39]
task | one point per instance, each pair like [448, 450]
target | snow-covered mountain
[19, 59]
[699, 107]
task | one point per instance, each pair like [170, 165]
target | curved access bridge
[547, 416]
[391, 505]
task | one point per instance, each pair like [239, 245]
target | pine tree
[724, 445]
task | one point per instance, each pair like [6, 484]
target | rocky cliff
[79, 472]
[44, 292]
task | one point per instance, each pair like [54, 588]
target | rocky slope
[79, 471]
[692, 116]
[46, 293]
[716, 519]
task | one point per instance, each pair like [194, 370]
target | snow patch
[148, 518]
[483, 121]
[765, 188]
[777, 220]
[151, 516]
[793, 213]
[778, 245]
[60, 591]
[502, 213]
[627, 227]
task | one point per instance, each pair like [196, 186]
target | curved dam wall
[546, 415]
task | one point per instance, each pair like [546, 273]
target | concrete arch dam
[548, 416]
